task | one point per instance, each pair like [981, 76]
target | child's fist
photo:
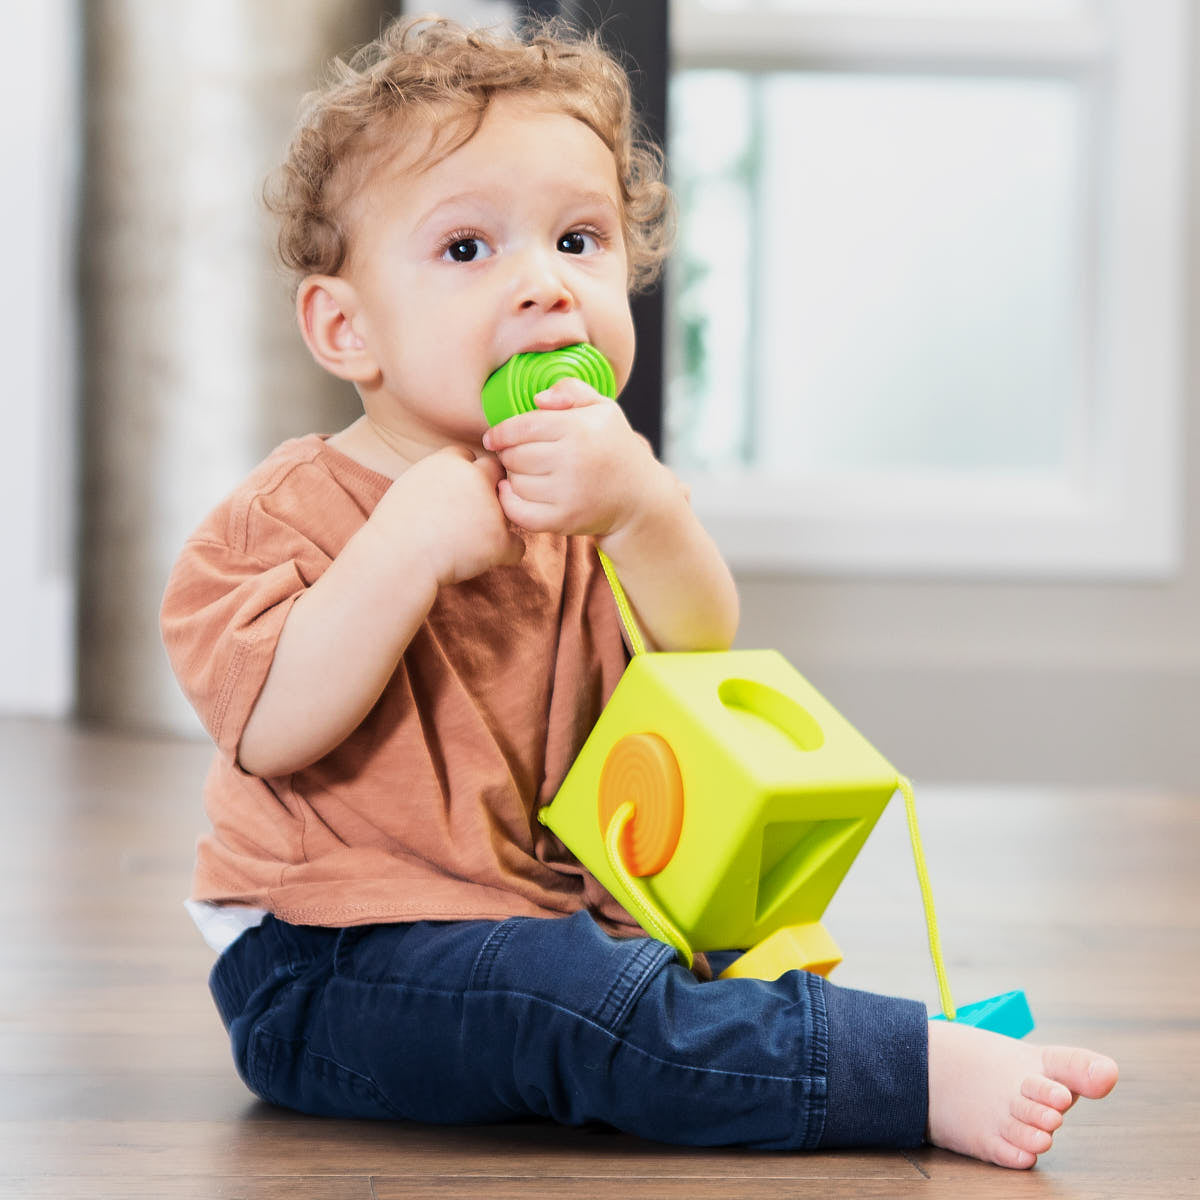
[445, 508]
[575, 465]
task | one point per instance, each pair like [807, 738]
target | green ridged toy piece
[510, 389]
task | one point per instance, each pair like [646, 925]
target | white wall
[39, 143]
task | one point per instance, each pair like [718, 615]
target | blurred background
[923, 351]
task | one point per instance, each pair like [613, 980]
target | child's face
[511, 243]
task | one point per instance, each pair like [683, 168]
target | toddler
[399, 637]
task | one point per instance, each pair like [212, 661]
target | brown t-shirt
[427, 810]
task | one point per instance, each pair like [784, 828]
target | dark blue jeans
[483, 1021]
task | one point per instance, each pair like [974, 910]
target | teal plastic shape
[779, 792]
[510, 389]
[1007, 1013]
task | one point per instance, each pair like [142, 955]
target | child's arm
[576, 466]
[439, 523]
[681, 590]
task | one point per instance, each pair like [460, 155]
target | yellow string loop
[935, 941]
[636, 644]
[652, 918]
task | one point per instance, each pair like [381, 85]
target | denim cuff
[878, 1070]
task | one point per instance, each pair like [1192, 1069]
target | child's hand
[444, 509]
[575, 465]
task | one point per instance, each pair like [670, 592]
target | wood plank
[174, 1187]
[633, 1187]
[268, 1141]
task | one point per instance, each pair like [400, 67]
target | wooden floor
[115, 1079]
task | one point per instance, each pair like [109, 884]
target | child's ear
[323, 307]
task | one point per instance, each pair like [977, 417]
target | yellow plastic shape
[780, 792]
[642, 769]
[795, 947]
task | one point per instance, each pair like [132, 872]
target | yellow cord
[935, 941]
[653, 920]
[631, 630]
[659, 924]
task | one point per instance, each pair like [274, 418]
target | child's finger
[528, 514]
[491, 468]
[569, 393]
[527, 458]
[523, 429]
[538, 489]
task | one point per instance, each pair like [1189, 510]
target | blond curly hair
[408, 79]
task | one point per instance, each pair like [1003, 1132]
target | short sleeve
[222, 614]
[238, 576]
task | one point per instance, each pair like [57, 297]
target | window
[926, 303]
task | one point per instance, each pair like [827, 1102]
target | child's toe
[1049, 1092]
[1081, 1071]
[1027, 1137]
[1006, 1154]
[1036, 1114]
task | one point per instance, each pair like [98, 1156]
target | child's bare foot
[1001, 1100]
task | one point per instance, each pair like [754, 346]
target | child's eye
[578, 241]
[466, 249]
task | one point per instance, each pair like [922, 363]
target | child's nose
[539, 285]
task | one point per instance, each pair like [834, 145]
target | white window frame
[1119, 512]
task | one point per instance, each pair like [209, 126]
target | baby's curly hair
[416, 70]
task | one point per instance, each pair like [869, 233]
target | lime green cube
[774, 796]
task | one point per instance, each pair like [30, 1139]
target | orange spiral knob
[642, 768]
